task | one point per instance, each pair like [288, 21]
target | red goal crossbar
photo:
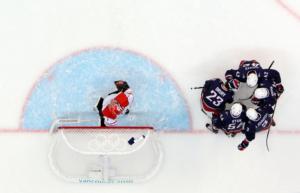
[111, 127]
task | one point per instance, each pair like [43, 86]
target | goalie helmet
[261, 93]
[252, 114]
[236, 109]
[121, 85]
[252, 79]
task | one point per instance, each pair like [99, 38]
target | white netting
[104, 155]
[116, 140]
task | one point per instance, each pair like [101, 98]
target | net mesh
[89, 154]
[111, 140]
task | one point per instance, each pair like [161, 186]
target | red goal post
[97, 140]
[109, 127]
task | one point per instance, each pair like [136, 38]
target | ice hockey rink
[178, 44]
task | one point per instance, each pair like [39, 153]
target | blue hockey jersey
[272, 96]
[263, 122]
[215, 94]
[244, 69]
[228, 123]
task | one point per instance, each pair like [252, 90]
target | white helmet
[236, 109]
[252, 114]
[252, 79]
[261, 93]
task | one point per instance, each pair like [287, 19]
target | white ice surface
[193, 163]
[193, 40]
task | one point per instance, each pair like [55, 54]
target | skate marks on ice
[71, 88]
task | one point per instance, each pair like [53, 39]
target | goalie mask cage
[93, 154]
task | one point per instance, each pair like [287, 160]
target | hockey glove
[255, 101]
[243, 145]
[279, 88]
[211, 128]
[233, 84]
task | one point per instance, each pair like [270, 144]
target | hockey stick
[207, 125]
[271, 64]
[247, 98]
[197, 87]
[205, 113]
[267, 144]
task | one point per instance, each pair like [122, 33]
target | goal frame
[65, 125]
[147, 129]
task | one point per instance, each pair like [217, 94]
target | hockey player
[215, 94]
[115, 104]
[258, 120]
[248, 72]
[266, 94]
[230, 121]
[273, 76]
[252, 73]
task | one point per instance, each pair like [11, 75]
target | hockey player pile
[238, 118]
[226, 113]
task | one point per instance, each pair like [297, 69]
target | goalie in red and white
[115, 104]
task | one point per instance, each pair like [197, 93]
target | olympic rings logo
[107, 143]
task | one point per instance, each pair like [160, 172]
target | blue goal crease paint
[71, 87]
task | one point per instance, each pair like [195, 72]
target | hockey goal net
[93, 154]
